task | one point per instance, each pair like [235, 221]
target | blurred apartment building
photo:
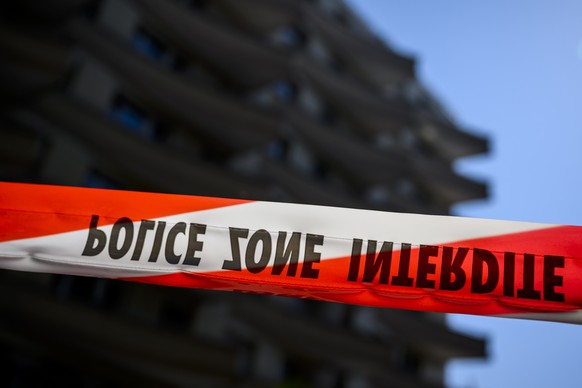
[284, 100]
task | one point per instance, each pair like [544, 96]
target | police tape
[394, 260]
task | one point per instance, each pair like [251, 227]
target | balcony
[244, 61]
[206, 112]
[142, 164]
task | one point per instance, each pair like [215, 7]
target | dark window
[152, 47]
[278, 149]
[290, 36]
[285, 90]
[131, 117]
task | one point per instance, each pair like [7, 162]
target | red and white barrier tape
[409, 261]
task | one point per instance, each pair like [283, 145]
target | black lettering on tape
[453, 267]
[157, 242]
[355, 260]
[287, 254]
[126, 225]
[509, 274]
[425, 267]
[194, 245]
[528, 291]
[264, 238]
[235, 234]
[171, 256]
[485, 267]
[484, 260]
[311, 256]
[144, 226]
[402, 278]
[378, 263]
[551, 280]
[96, 239]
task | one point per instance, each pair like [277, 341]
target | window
[133, 118]
[278, 149]
[285, 90]
[273, 93]
[153, 48]
[288, 36]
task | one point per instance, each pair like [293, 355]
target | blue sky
[511, 70]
